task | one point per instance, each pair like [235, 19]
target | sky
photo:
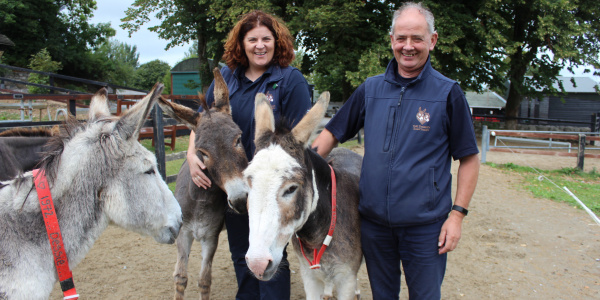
[149, 45]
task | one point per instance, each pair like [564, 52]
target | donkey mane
[27, 132]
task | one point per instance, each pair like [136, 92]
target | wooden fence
[528, 136]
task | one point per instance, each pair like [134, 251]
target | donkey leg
[313, 286]
[328, 291]
[184, 245]
[346, 286]
[209, 247]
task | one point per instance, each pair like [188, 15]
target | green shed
[184, 72]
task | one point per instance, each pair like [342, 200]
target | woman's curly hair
[235, 55]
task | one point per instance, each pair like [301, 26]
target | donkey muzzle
[258, 266]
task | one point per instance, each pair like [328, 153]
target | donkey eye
[290, 190]
[150, 172]
[238, 142]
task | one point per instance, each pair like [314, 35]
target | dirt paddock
[514, 246]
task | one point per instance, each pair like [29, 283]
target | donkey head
[218, 142]
[282, 189]
[104, 162]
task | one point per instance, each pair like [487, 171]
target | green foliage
[61, 26]
[41, 61]
[335, 35]
[482, 43]
[487, 42]
[192, 52]
[181, 22]
[150, 73]
[549, 184]
[372, 62]
[166, 80]
[116, 63]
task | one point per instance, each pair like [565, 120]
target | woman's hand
[196, 165]
[196, 171]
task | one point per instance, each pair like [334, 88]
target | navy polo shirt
[286, 88]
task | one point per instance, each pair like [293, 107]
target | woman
[258, 52]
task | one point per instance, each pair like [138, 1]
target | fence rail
[527, 136]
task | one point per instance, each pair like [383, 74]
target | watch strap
[460, 209]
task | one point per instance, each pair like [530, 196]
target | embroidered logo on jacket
[423, 117]
[270, 98]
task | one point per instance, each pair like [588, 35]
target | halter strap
[54, 236]
[315, 264]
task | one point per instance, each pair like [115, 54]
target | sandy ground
[514, 246]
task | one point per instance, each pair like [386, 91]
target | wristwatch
[461, 209]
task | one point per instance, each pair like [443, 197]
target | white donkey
[97, 173]
[290, 197]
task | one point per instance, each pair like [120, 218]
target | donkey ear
[263, 114]
[99, 105]
[181, 113]
[311, 120]
[221, 93]
[132, 121]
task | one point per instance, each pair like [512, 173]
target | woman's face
[259, 45]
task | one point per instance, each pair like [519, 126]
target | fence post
[595, 122]
[485, 138]
[72, 107]
[159, 140]
[581, 152]
[595, 125]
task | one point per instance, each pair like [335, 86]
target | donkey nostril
[269, 265]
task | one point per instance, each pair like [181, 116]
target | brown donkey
[219, 146]
[290, 197]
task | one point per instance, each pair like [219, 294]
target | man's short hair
[422, 9]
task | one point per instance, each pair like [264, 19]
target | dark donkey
[290, 197]
[21, 150]
[218, 145]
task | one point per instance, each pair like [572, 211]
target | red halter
[315, 264]
[54, 236]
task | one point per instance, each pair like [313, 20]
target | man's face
[411, 42]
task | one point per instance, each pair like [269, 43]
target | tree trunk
[205, 73]
[513, 103]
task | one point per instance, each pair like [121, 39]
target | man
[414, 121]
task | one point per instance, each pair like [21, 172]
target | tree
[60, 26]
[116, 62]
[150, 73]
[335, 35]
[41, 61]
[206, 22]
[182, 22]
[527, 42]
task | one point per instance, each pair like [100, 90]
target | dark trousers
[415, 247]
[250, 288]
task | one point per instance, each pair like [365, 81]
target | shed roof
[4, 40]
[584, 84]
[191, 65]
[486, 99]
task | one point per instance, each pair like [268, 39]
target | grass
[5, 115]
[351, 144]
[586, 186]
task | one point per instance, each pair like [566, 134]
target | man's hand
[451, 231]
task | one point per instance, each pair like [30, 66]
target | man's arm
[468, 171]
[324, 143]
